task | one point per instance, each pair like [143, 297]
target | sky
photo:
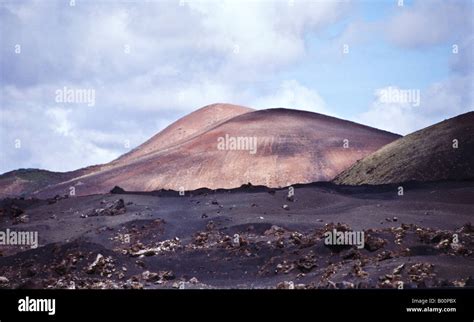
[141, 65]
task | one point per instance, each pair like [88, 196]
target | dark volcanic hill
[290, 146]
[23, 182]
[426, 155]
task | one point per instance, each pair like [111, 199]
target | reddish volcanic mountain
[184, 129]
[225, 146]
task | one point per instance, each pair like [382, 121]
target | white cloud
[267, 32]
[179, 58]
[49, 139]
[396, 117]
[60, 123]
[292, 94]
[418, 26]
[439, 101]
[428, 23]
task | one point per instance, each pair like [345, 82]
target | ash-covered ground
[251, 237]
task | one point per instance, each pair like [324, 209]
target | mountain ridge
[292, 146]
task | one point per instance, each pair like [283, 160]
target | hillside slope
[425, 155]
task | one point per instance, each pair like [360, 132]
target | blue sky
[150, 63]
